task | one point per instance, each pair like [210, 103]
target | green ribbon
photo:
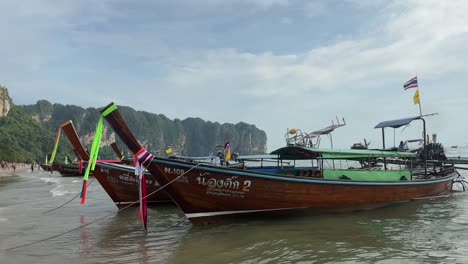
[97, 142]
[57, 139]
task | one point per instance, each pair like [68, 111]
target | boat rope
[162, 187]
[97, 220]
[74, 197]
[461, 180]
[60, 234]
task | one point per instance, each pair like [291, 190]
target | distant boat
[454, 146]
[46, 167]
[67, 169]
[116, 177]
[207, 193]
[70, 169]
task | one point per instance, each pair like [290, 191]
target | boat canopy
[397, 123]
[302, 153]
[325, 131]
[400, 122]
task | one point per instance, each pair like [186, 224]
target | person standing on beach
[32, 167]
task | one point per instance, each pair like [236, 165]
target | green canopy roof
[298, 153]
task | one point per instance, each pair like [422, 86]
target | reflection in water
[413, 232]
[123, 239]
[425, 231]
[84, 239]
[5, 181]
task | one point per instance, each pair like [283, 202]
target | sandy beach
[19, 168]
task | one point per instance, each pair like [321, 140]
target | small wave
[1, 218]
[51, 180]
[58, 190]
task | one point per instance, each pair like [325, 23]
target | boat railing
[295, 137]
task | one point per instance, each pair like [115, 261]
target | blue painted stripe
[311, 181]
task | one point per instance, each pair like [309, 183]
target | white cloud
[275, 90]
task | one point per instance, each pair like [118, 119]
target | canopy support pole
[425, 149]
[383, 147]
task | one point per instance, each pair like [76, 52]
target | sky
[277, 64]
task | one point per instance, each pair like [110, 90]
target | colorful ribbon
[57, 138]
[94, 151]
[141, 160]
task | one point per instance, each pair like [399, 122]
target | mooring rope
[99, 219]
[460, 179]
[78, 194]
[162, 187]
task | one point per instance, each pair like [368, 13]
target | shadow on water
[414, 232]
[426, 231]
[123, 240]
[6, 180]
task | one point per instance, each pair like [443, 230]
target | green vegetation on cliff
[27, 132]
[21, 137]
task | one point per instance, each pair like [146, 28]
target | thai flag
[227, 145]
[413, 83]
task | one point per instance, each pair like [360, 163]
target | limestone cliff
[191, 136]
[5, 102]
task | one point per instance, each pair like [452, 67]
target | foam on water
[50, 180]
[2, 219]
[59, 189]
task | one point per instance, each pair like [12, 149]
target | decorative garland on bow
[141, 160]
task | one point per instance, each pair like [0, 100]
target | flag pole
[419, 95]
[420, 111]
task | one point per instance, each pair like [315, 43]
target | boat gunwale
[119, 166]
[293, 178]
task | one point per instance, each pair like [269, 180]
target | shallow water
[430, 231]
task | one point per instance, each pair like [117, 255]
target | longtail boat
[46, 166]
[312, 181]
[68, 168]
[121, 184]
[117, 179]
[117, 151]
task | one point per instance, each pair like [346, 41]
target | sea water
[427, 231]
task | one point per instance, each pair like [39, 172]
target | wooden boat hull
[121, 184]
[69, 170]
[206, 193]
[46, 167]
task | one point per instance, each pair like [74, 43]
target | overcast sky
[277, 64]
